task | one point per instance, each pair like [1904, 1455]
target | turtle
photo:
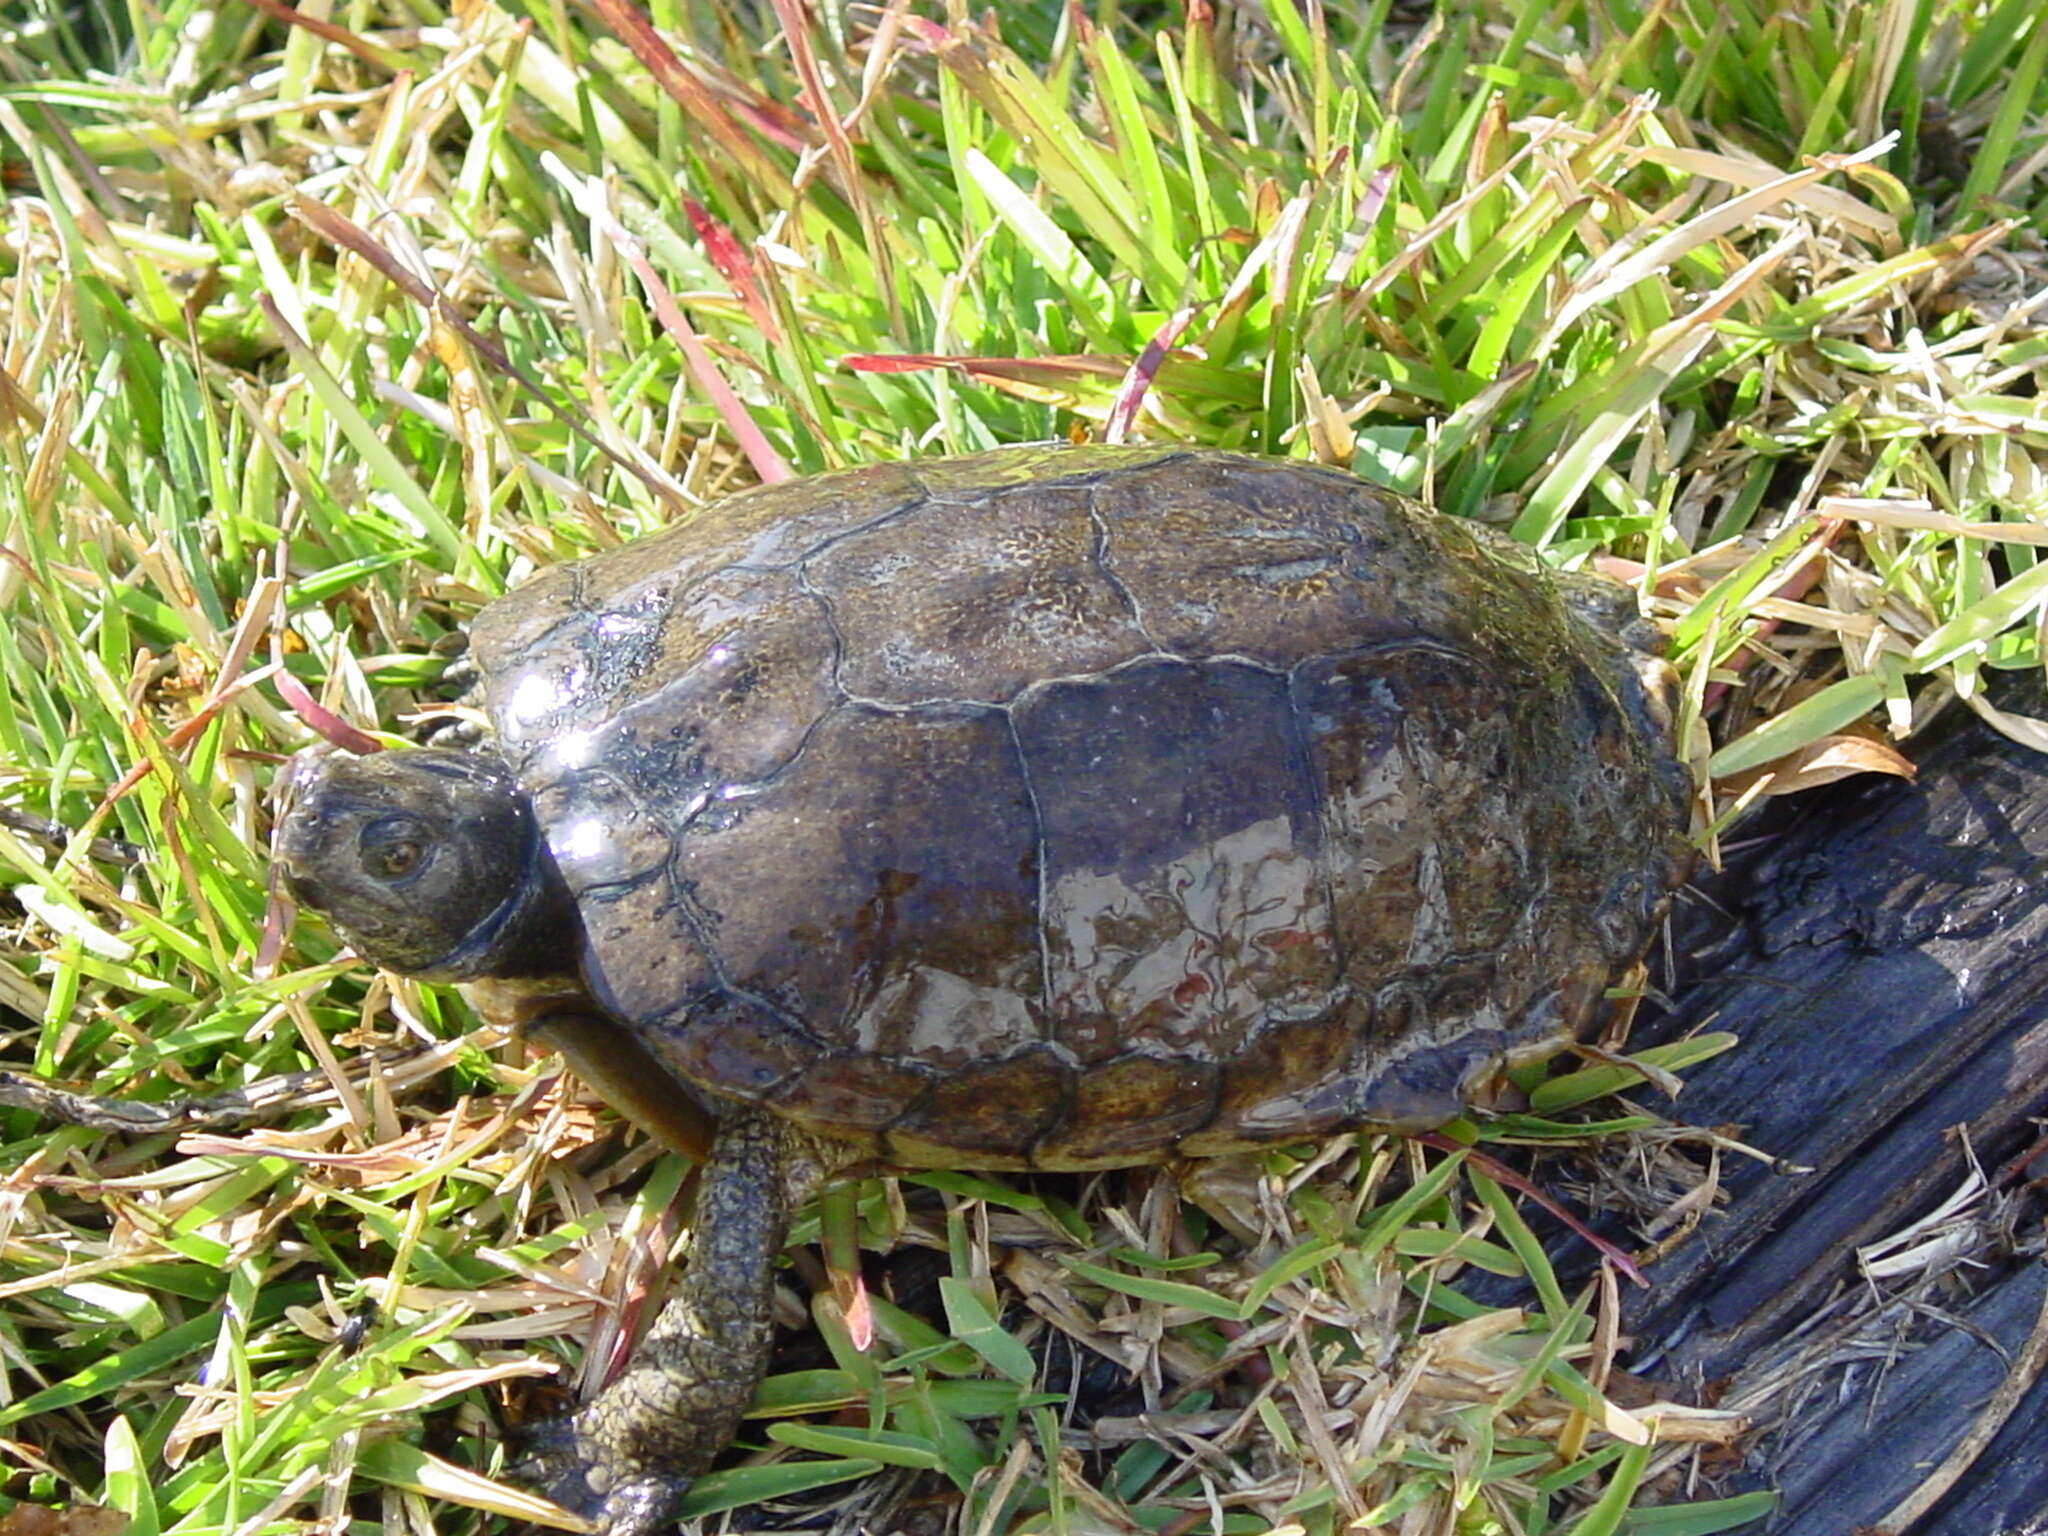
[1054, 807]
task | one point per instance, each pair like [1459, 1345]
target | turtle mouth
[306, 890]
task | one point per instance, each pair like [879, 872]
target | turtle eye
[393, 847]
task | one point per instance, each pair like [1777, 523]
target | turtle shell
[1072, 807]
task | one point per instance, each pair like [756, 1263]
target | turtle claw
[569, 1466]
[624, 1460]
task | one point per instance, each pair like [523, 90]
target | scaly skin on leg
[626, 1458]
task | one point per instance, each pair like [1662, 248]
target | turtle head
[429, 862]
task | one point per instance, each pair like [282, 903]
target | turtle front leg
[625, 1459]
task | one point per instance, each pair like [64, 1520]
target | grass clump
[320, 333]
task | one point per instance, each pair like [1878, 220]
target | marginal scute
[986, 1109]
[1571, 991]
[1281, 1084]
[522, 625]
[1236, 560]
[778, 526]
[736, 1042]
[1125, 1110]
[856, 1094]
[1071, 807]
[1420, 1089]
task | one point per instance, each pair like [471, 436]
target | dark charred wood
[1879, 946]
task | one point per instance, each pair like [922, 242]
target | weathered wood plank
[1880, 948]
[1852, 1459]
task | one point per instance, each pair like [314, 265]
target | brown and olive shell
[1079, 807]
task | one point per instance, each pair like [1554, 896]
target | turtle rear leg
[625, 1459]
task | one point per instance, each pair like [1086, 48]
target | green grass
[316, 337]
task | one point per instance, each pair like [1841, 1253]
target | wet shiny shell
[1077, 807]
